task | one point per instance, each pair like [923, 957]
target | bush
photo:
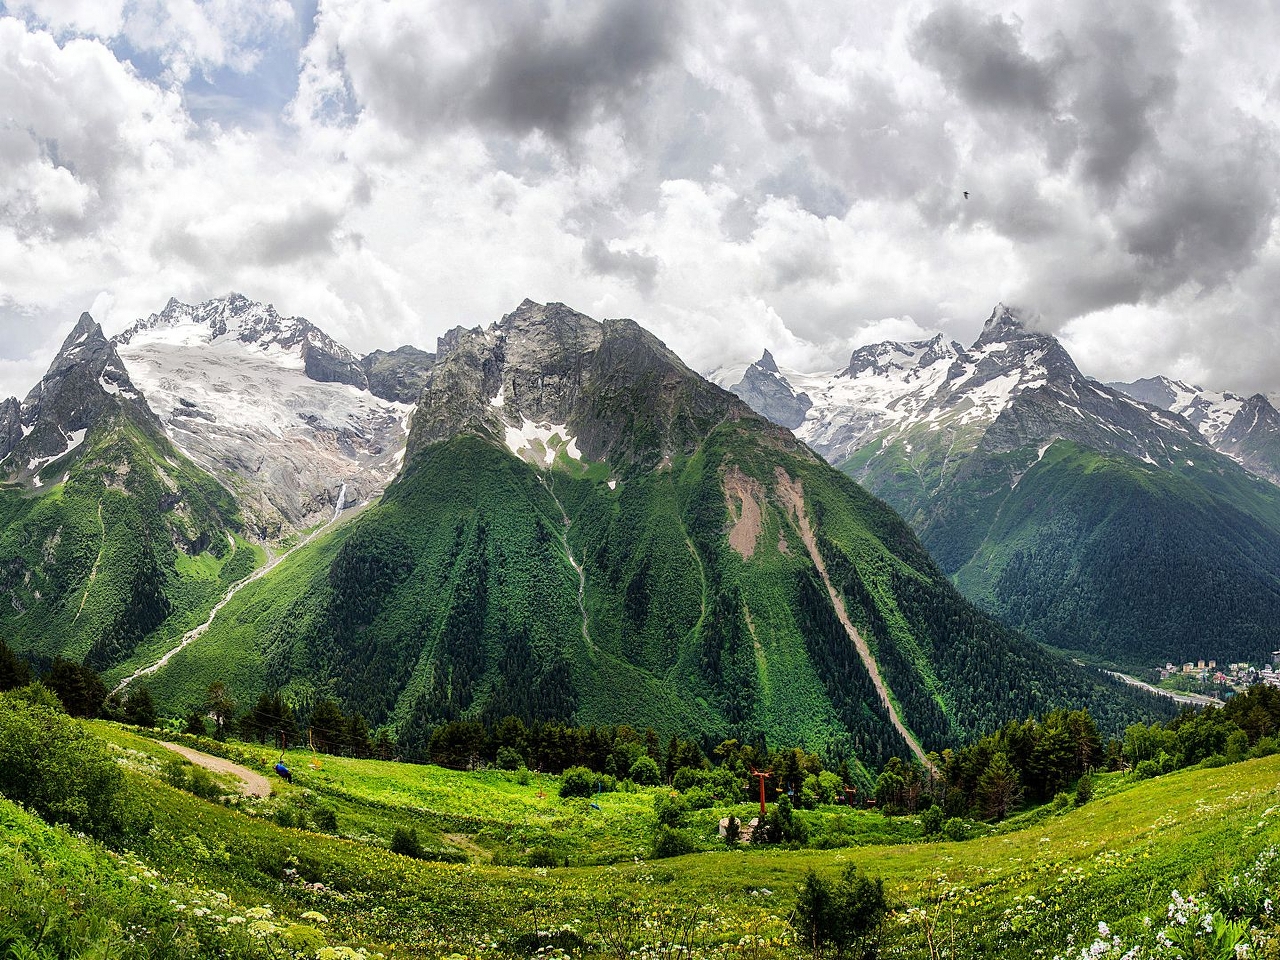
[847, 914]
[783, 826]
[1084, 789]
[508, 759]
[931, 821]
[645, 772]
[578, 782]
[64, 774]
[672, 842]
[670, 810]
[404, 841]
[955, 829]
[325, 819]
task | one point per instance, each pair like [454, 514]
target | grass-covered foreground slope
[691, 569]
[209, 878]
[125, 548]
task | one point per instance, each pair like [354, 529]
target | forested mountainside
[585, 528]
[1094, 521]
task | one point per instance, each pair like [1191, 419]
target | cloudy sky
[734, 175]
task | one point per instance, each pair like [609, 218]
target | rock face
[86, 383]
[770, 394]
[272, 406]
[399, 374]
[10, 425]
[607, 391]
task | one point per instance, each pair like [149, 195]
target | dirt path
[251, 784]
[793, 495]
[196, 632]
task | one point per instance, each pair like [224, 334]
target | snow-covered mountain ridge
[1247, 429]
[271, 405]
[1012, 376]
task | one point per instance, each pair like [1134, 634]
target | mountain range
[1128, 523]
[564, 522]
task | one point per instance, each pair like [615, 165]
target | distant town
[1207, 678]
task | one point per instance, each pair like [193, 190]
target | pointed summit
[1003, 325]
[766, 362]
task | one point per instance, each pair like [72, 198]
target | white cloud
[736, 176]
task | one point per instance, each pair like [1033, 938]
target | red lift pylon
[761, 776]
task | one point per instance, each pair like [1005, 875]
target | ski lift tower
[762, 776]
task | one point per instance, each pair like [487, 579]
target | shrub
[783, 826]
[670, 810]
[700, 798]
[508, 759]
[672, 842]
[847, 914]
[645, 771]
[931, 821]
[1084, 789]
[53, 766]
[955, 829]
[325, 819]
[577, 782]
[404, 841]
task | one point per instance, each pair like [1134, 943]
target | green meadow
[308, 871]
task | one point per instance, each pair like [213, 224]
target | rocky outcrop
[86, 383]
[611, 387]
[400, 374]
[10, 425]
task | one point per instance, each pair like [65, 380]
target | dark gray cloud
[982, 59]
[510, 68]
[1124, 76]
[554, 83]
[638, 268]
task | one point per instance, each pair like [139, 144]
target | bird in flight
[966, 194]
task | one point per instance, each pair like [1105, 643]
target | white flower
[1103, 929]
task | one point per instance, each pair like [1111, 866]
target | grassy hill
[212, 877]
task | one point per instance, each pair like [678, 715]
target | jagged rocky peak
[764, 388]
[608, 390]
[1005, 324]
[85, 381]
[251, 322]
[880, 358]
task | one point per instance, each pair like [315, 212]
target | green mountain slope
[117, 544]
[1090, 521]
[1148, 563]
[645, 561]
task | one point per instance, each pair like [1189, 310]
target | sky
[733, 175]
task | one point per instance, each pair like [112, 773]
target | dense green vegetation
[122, 551]
[1099, 554]
[456, 597]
